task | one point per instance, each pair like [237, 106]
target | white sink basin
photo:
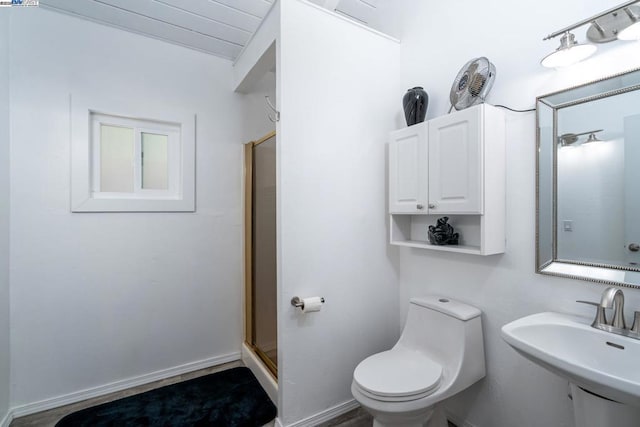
[601, 362]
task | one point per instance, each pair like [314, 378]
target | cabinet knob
[432, 206]
[419, 206]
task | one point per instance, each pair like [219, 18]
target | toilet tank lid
[448, 306]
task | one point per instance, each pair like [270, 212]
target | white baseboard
[7, 419]
[324, 416]
[278, 423]
[55, 402]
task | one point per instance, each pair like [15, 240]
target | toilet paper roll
[311, 304]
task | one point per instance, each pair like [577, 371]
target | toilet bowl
[439, 354]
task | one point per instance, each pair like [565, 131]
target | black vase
[415, 103]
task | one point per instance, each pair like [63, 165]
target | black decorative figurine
[442, 233]
[415, 103]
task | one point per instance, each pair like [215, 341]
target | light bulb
[568, 53]
[632, 32]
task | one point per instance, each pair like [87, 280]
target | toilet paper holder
[299, 303]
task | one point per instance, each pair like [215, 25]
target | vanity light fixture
[592, 137]
[567, 139]
[631, 32]
[621, 22]
[569, 52]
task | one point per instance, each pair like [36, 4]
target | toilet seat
[398, 375]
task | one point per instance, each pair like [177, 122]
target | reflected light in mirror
[592, 138]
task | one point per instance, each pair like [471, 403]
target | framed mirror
[588, 181]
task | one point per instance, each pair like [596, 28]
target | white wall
[437, 40]
[338, 93]
[100, 298]
[255, 114]
[4, 213]
[592, 193]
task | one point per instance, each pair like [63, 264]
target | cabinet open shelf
[462, 249]
[477, 237]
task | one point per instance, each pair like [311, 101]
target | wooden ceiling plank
[257, 8]
[108, 15]
[187, 20]
[219, 12]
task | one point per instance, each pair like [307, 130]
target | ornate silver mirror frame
[597, 97]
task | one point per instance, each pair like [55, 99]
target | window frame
[139, 126]
[178, 125]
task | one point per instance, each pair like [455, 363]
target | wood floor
[356, 418]
[51, 417]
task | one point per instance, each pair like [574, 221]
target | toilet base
[429, 417]
[378, 424]
[438, 419]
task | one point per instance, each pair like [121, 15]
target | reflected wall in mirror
[588, 187]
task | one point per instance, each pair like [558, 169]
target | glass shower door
[263, 330]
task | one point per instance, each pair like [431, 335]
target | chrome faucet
[614, 298]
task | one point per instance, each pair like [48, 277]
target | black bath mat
[231, 398]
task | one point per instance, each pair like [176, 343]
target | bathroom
[88, 300]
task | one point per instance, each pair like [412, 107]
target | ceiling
[218, 27]
[362, 11]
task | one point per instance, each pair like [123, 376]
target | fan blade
[477, 83]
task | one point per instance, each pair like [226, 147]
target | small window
[115, 147]
[134, 164]
[155, 161]
[134, 158]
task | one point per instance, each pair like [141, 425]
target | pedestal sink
[603, 368]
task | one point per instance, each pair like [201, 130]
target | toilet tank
[448, 331]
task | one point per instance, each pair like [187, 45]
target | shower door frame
[249, 327]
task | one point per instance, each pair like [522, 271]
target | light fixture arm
[588, 132]
[590, 19]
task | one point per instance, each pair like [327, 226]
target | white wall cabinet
[455, 162]
[408, 190]
[453, 166]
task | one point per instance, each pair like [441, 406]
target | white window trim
[84, 198]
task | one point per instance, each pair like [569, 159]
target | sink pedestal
[591, 410]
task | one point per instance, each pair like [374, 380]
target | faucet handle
[636, 322]
[600, 319]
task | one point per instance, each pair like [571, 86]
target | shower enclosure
[260, 250]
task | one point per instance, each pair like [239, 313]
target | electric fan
[472, 84]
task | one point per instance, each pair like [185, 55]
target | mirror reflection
[589, 181]
[598, 177]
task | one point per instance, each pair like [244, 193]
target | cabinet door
[455, 163]
[408, 170]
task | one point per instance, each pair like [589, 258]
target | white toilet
[439, 354]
